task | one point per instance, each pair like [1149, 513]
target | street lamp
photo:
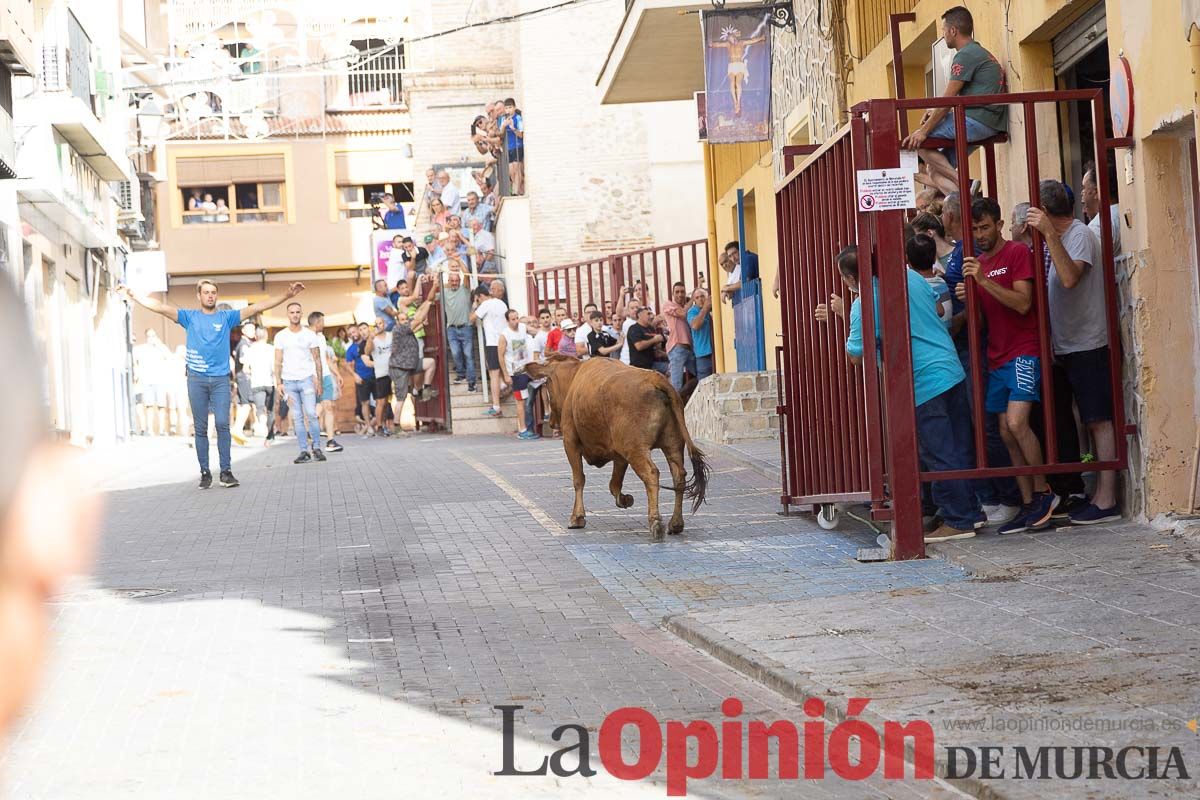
[150, 122]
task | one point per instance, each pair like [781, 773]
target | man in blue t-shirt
[393, 214]
[208, 356]
[939, 388]
[699, 319]
[364, 374]
[512, 127]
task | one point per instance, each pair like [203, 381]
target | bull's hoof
[625, 501]
[676, 527]
[656, 531]
[576, 522]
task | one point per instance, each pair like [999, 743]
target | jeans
[704, 367]
[944, 442]
[530, 400]
[210, 393]
[302, 397]
[990, 491]
[681, 357]
[462, 350]
[976, 132]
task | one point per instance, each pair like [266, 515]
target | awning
[360, 167]
[224, 170]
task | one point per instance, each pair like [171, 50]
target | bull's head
[559, 372]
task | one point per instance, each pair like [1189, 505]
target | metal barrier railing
[650, 272]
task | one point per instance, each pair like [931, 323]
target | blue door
[749, 341]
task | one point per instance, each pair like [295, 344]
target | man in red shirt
[1003, 276]
[555, 335]
[679, 341]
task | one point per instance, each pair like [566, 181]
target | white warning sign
[886, 189]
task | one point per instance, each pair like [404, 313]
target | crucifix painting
[737, 60]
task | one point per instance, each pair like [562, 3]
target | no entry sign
[886, 189]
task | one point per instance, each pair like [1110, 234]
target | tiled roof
[336, 124]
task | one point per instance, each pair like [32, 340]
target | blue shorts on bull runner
[1019, 380]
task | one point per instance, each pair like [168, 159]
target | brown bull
[609, 411]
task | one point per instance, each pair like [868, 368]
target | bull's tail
[695, 487]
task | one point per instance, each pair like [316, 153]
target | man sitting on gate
[1003, 276]
[1079, 332]
[974, 71]
[939, 391]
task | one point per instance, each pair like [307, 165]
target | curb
[798, 687]
[764, 468]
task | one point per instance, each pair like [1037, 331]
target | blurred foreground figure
[45, 532]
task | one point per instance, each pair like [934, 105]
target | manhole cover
[137, 594]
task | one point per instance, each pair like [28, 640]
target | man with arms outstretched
[208, 364]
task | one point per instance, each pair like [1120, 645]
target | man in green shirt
[974, 71]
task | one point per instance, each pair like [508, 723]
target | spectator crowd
[1001, 274]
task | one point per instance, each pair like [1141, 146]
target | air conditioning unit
[938, 73]
[129, 198]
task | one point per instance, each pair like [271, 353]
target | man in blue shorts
[208, 359]
[1003, 275]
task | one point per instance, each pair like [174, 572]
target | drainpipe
[714, 271]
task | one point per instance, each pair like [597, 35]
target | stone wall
[733, 407]
[805, 65]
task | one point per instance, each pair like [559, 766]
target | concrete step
[471, 425]
[477, 401]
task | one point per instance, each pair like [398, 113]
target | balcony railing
[69, 68]
[372, 79]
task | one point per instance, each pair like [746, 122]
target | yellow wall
[756, 181]
[1159, 289]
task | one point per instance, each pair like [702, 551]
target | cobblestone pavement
[345, 629]
[1075, 637]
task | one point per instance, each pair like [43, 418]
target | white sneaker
[1000, 514]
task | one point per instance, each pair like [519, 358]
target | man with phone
[643, 338]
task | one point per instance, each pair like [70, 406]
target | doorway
[1081, 62]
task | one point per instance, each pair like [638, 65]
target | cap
[567, 324]
[428, 238]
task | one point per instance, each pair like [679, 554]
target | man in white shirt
[450, 195]
[151, 365]
[298, 372]
[260, 367]
[581, 333]
[490, 312]
[331, 383]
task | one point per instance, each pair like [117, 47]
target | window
[358, 201]
[232, 191]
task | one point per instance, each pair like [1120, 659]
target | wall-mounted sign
[1120, 98]
[886, 189]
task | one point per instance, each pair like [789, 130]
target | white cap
[567, 324]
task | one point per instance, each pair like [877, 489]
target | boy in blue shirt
[512, 127]
[208, 358]
[940, 393]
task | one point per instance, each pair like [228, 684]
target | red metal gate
[834, 444]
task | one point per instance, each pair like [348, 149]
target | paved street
[345, 629]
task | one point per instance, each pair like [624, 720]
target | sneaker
[459, 379]
[946, 533]
[470, 387]
[528, 435]
[205, 479]
[1091, 515]
[386, 432]
[303, 458]
[1072, 504]
[980, 522]
[1042, 509]
[1000, 514]
[492, 412]
[333, 447]
[227, 479]
[1018, 523]
[931, 522]
[318, 455]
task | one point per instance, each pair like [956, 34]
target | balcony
[658, 52]
[8, 146]
[373, 79]
[100, 148]
[16, 37]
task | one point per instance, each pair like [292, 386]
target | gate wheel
[828, 516]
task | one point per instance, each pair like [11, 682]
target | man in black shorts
[379, 350]
[512, 128]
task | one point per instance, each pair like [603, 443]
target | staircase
[466, 412]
